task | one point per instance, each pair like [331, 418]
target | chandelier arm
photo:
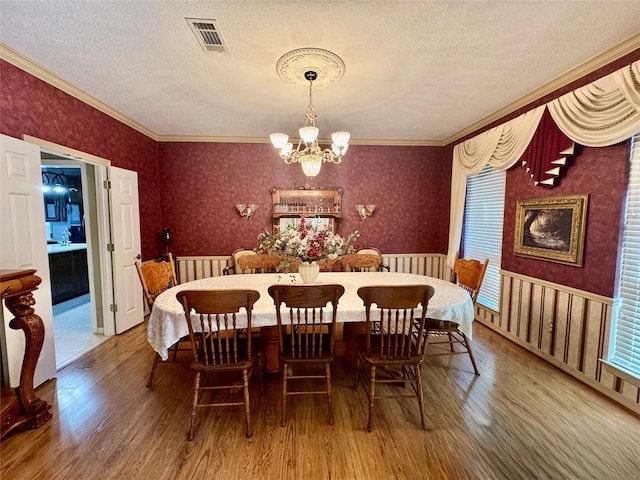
[294, 157]
[330, 156]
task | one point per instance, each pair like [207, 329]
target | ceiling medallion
[292, 66]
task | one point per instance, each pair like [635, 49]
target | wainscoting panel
[567, 327]
[430, 264]
[195, 268]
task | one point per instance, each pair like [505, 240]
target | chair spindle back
[216, 340]
[399, 333]
[309, 322]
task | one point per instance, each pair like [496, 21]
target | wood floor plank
[520, 419]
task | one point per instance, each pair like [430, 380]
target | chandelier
[308, 153]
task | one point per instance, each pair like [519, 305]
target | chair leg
[419, 392]
[247, 407]
[450, 342]
[153, 370]
[285, 367]
[467, 344]
[260, 369]
[372, 386]
[327, 368]
[194, 405]
[426, 346]
[355, 375]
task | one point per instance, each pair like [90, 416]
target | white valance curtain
[500, 147]
[602, 113]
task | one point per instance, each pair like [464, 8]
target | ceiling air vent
[208, 34]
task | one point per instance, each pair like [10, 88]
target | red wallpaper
[33, 107]
[202, 182]
[603, 174]
[193, 187]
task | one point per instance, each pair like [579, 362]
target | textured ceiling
[416, 72]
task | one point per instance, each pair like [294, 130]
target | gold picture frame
[552, 228]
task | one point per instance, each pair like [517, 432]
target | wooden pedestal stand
[20, 406]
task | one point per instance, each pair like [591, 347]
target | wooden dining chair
[258, 263]
[468, 275]
[156, 277]
[393, 342]
[234, 267]
[374, 251]
[219, 348]
[330, 265]
[355, 262]
[306, 340]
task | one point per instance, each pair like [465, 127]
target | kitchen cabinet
[69, 274]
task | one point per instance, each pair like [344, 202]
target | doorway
[111, 252]
[69, 198]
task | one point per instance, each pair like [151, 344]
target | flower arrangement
[305, 243]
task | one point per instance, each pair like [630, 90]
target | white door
[23, 244]
[125, 233]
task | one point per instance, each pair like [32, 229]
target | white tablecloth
[167, 323]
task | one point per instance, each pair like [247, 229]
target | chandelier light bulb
[279, 140]
[286, 150]
[341, 139]
[309, 134]
[311, 164]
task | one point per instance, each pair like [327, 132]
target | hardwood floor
[521, 419]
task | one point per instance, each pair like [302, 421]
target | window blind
[626, 335]
[482, 231]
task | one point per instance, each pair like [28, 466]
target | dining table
[167, 324]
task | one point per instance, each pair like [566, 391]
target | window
[625, 338]
[482, 231]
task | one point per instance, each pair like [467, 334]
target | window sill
[621, 372]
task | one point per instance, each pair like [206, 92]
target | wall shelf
[296, 202]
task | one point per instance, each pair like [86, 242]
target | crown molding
[398, 143]
[210, 139]
[591, 65]
[213, 139]
[601, 60]
[15, 58]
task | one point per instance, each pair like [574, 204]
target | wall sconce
[365, 210]
[246, 210]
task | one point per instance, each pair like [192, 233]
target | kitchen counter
[57, 248]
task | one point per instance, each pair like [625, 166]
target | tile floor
[73, 330]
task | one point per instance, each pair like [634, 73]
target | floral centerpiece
[305, 243]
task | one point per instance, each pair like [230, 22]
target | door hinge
[111, 247]
[107, 184]
[113, 307]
